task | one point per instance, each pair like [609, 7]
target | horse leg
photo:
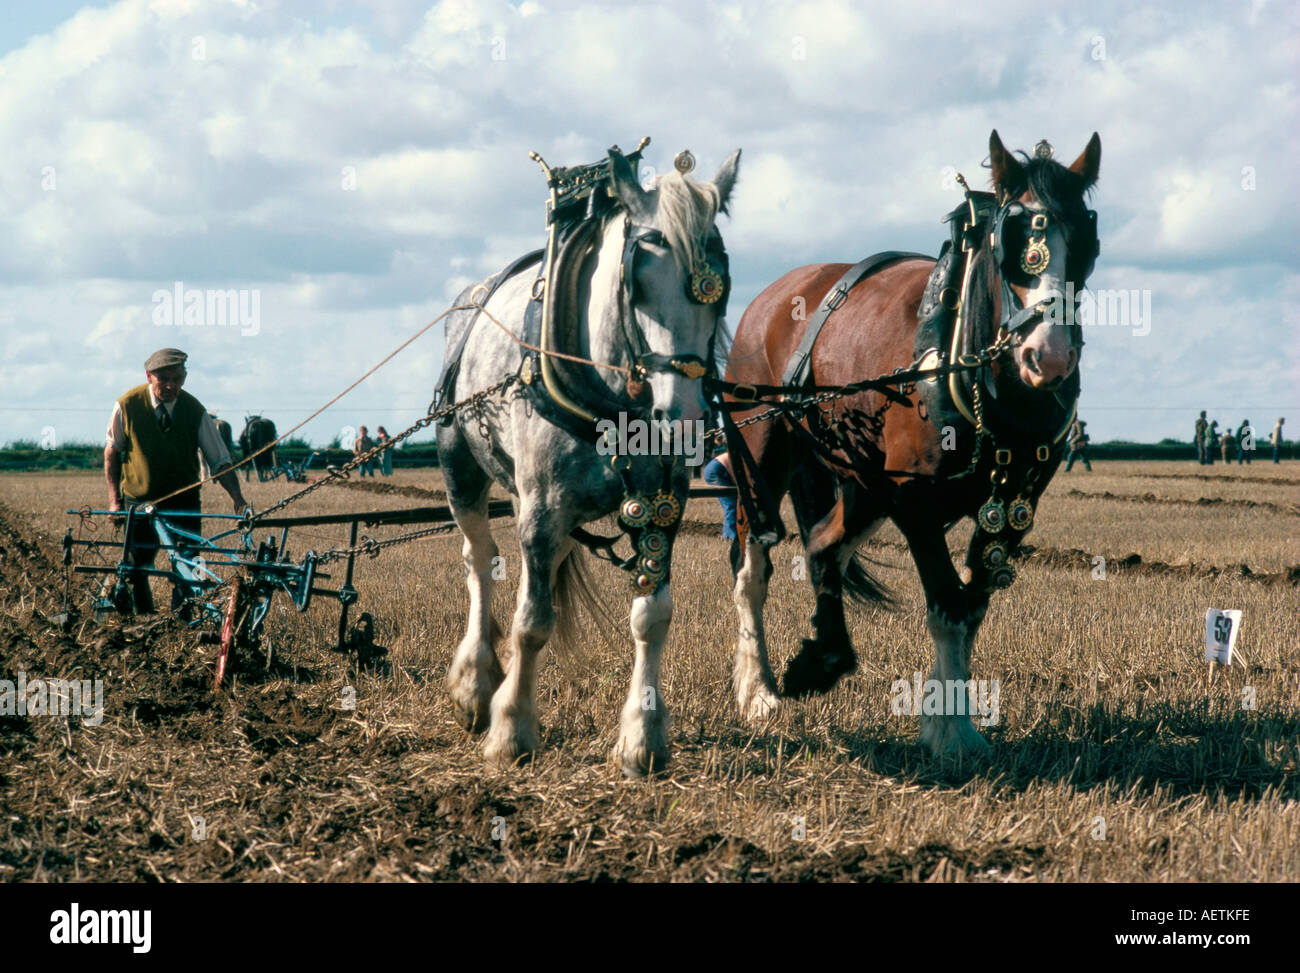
[475, 672]
[757, 695]
[513, 733]
[953, 615]
[831, 544]
[756, 692]
[643, 735]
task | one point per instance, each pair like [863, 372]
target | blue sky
[150, 142]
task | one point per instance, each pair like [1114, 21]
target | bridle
[709, 284]
[1020, 253]
[1018, 250]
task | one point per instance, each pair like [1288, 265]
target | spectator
[1211, 441]
[364, 444]
[1227, 444]
[386, 465]
[1078, 440]
[1200, 438]
[1276, 438]
[1245, 442]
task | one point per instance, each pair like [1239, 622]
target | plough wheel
[230, 626]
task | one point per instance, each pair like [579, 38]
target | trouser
[1200, 454]
[144, 547]
[728, 506]
[1078, 454]
[1276, 450]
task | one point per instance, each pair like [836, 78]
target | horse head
[668, 267]
[1043, 243]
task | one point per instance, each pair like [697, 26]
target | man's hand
[115, 503]
[113, 477]
[227, 480]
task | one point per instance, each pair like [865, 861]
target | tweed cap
[165, 358]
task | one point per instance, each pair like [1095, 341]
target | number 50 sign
[1221, 634]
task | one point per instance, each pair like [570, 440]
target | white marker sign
[1221, 634]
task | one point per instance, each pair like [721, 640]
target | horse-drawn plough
[225, 582]
[621, 314]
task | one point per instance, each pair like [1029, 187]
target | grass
[1107, 721]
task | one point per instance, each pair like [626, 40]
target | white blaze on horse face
[1047, 357]
[672, 325]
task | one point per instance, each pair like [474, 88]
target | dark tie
[164, 420]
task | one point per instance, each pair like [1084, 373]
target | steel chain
[371, 547]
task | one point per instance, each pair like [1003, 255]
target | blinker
[708, 280]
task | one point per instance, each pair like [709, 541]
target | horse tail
[575, 595]
[812, 494]
[861, 587]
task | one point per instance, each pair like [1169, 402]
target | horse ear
[1007, 172]
[625, 187]
[725, 180]
[1089, 162]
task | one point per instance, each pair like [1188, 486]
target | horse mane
[1063, 192]
[687, 210]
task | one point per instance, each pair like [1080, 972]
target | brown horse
[980, 437]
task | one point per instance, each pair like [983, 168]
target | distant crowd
[1240, 446]
[365, 442]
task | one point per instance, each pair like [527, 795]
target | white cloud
[228, 169]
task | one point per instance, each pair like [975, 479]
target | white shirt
[212, 449]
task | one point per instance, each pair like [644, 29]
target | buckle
[949, 298]
[1042, 453]
[1002, 457]
[1038, 221]
[836, 297]
[751, 393]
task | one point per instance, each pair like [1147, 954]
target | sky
[351, 167]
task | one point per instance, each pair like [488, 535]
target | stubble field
[1113, 758]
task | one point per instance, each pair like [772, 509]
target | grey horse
[648, 325]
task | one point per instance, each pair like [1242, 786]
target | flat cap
[165, 358]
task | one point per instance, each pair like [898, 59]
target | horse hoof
[473, 719]
[471, 688]
[817, 668]
[759, 706]
[507, 750]
[953, 739]
[640, 762]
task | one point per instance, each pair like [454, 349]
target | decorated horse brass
[1020, 515]
[1036, 256]
[706, 284]
[992, 516]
